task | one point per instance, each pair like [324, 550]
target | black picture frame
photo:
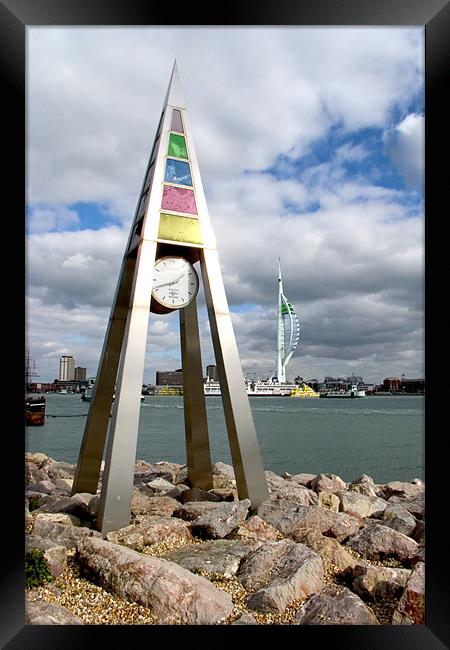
[434, 15]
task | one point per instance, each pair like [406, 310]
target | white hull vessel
[352, 392]
[254, 389]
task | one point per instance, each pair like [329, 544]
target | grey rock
[173, 594]
[378, 542]
[33, 474]
[296, 492]
[303, 479]
[77, 505]
[282, 572]
[62, 534]
[223, 468]
[46, 487]
[415, 505]
[361, 505]
[397, 517]
[151, 530]
[363, 485]
[402, 489]
[245, 619]
[328, 500]
[220, 556]
[42, 613]
[196, 494]
[335, 606]
[37, 458]
[194, 509]
[379, 583]
[222, 520]
[333, 524]
[57, 518]
[61, 470]
[55, 554]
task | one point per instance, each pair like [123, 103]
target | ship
[351, 392]
[304, 391]
[254, 388]
[34, 402]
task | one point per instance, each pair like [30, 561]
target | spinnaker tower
[288, 330]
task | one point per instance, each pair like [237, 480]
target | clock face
[175, 282]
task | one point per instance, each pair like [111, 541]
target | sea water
[382, 436]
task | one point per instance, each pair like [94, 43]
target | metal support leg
[93, 445]
[249, 471]
[117, 485]
[195, 421]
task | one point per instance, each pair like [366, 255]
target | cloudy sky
[310, 145]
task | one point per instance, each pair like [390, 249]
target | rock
[335, 606]
[363, 485]
[173, 594]
[225, 494]
[274, 481]
[361, 505]
[378, 542]
[245, 619]
[42, 613]
[151, 530]
[64, 485]
[414, 505]
[257, 528]
[46, 487]
[295, 492]
[57, 518]
[39, 499]
[77, 505]
[402, 489]
[220, 556]
[329, 501]
[335, 558]
[193, 509]
[326, 522]
[62, 534]
[61, 470]
[55, 554]
[329, 482]
[196, 494]
[223, 468]
[33, 474]
[162, 487]
[397, 517]
[419, 532]
[378, 582]
[280, 512]
[303, 479]
[37, 458]
[281, 572]
[222, 520]
[411, 608]
[142, 504]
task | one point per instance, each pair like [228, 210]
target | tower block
[170, 234]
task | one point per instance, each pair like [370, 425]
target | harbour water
[382, 436]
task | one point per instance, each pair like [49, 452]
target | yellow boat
[304, 391]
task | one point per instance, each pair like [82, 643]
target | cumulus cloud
[351, 246]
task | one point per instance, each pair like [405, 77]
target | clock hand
[163, 284]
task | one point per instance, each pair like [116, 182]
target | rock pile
[318, 551]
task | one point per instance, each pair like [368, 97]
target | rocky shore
[318, 551]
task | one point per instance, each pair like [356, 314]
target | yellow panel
[175, 228]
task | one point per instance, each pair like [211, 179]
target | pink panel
[178, 199]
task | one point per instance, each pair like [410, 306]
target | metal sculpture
[171, 232]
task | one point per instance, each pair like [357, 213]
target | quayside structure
[288, 331]
[171, 235]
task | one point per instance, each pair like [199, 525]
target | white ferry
[352, 392]
[254, 389]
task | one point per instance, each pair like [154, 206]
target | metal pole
[249, 471]
[195, 421]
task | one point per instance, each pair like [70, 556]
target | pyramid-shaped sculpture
[171, 232]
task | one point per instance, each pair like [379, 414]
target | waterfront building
[80, 374]
[169, 377]
[66, 368]
[211, 373]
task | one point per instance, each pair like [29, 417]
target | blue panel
[178, 172]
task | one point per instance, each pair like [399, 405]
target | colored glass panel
[178, 172]
[177, 146]
[177, 124]
[176, 228]
[178, 199]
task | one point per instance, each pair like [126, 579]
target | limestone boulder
[173, 594]
[279, 573]
[328, 500]
[397, 517]
[42, 613]
[62, 534]
[378, 542]
[379, 582]
[55, 554]
[364, 484]
[335, 558]
[152, 530]
[194, 509]
[403, 489]
[219, 556]
[221, 521]
[361, 505]
[303, 479]
[414, 505]
[333, 524]
[335, 606]
[329, 482]
[257, 529]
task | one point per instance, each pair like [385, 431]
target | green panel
[176, 228]
[177, 146]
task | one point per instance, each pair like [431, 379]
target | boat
[253, 388]
[34, 402]
[351, 392]
[34, 410]
[303, 390]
